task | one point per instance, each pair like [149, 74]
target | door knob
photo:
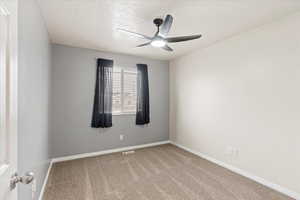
[26, 179]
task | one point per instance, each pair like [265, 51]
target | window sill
[119, 114]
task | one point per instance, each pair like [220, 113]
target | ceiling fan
[160, 38]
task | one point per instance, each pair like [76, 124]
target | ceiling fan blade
[182, 38]
[166, 26]
[145, 44]
[135, 34]
[167, 48]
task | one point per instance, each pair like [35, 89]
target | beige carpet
[157, 173]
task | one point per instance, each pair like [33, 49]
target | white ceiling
[93, 23]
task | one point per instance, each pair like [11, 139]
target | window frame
[124, 70]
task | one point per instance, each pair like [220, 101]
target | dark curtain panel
[102, 112]
[142, 106]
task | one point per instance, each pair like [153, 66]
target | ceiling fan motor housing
[158, 21]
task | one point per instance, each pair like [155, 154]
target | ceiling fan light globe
[158, 43]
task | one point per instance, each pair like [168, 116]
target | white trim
[260, 180]
[45, 181]
[92, 154]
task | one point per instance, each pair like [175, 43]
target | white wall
[73, 86]
[33, 95]
[245, 93]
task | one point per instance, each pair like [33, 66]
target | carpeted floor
[157, 173]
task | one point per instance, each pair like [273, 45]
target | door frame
[8, 8]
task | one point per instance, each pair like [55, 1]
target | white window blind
[124, 91]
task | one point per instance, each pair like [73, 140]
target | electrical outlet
[235, 153]
[232, 152]
[121, 137]
[229, 151]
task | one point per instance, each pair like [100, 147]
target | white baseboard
[45, 181]
[92, 154]
[260, 180]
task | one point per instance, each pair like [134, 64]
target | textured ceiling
[93, 23]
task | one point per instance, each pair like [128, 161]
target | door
[8, 97]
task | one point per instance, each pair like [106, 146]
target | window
[124, 91]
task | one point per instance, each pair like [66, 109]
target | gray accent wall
[73, 81]
[33, 96]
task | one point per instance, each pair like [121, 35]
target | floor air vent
[128, 152]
